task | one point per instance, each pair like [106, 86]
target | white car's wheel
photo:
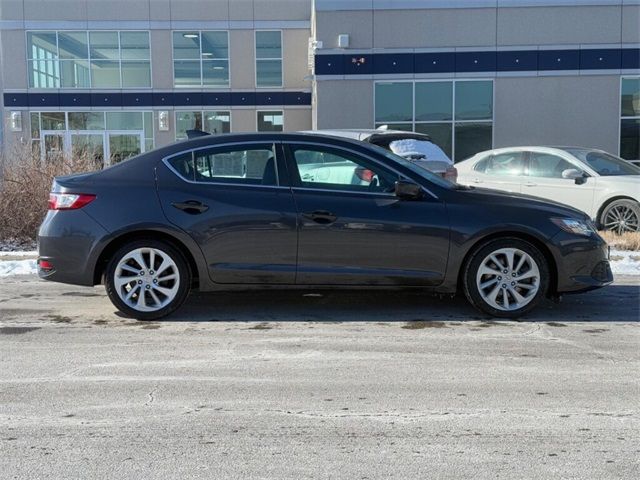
[621, 216]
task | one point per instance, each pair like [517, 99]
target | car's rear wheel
[506, 277]
[621, 216]
[147, 279]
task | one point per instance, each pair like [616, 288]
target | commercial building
[116, 77]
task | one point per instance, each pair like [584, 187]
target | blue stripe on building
[481, 61]
[156, 99]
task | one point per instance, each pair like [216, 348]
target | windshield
[603, 163]
[432, 177]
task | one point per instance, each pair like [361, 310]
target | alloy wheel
[146, 279]
[621, 219]
[508, 279]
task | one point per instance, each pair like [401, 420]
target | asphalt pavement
[343, 385]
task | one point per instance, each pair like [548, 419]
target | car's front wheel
[506, 277]
[621, 216]
[147, 279]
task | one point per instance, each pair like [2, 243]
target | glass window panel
[105, 74]
[441, 134]
[255, 166]
[630, 97]
[53, 121]
[215, 45]
[270, 121]
[134, 45]
[187, 72]
[474, 100]
[630, 139]
[44, 74]
[74, 73]
[73, 45]
[215, 73]
[35, 124]
[217, 122]
[547, 166]
[136, 74]
[434, 101]
[89, 146]
[124, 120]
[405, 127]
[104, 45]
[186, 45]
[268, 45]
[269, 73]
[328, 169]
[41, 45]
[147, 117]
[123, 146]
[187, 121]
[472, 138]
[505, 165]
[86, 121]
[394, 102]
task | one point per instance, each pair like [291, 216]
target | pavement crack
[151, 397]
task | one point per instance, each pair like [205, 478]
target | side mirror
[571, 174]
[408, 190]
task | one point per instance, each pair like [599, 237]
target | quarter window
[268, 58]
[630, 119]
[81, 59]
[457, 115]
[201, 58]
[319, 167]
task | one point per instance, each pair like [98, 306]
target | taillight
[365, 174]
[45, 265]
[451, 174]
[69, 201]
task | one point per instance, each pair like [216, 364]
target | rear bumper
[583, 263]
[68, 241]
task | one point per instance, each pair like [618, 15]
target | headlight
[575, 226]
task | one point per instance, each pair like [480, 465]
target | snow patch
[18, 267]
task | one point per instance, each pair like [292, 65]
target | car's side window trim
[291, 164]
[277, 148]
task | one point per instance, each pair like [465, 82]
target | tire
[528, 280]
[165, 284]
[621, 216]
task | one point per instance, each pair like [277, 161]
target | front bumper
[583, 263]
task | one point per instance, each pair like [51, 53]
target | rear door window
[510, 164]
[254, 165]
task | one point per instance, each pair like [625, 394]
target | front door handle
[192, 207]
[320, 216]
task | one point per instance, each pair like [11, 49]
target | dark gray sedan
[303, 211]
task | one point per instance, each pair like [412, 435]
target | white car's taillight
[451, 174]
[69, 201]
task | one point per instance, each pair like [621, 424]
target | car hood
[496, 197]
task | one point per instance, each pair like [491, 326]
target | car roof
[367, 133]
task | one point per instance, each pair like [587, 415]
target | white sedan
[604, 186]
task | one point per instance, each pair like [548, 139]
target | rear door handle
[320, 216]
[476, 180]
[530, 184]
[192, 207]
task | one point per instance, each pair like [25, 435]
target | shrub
[25, 183]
